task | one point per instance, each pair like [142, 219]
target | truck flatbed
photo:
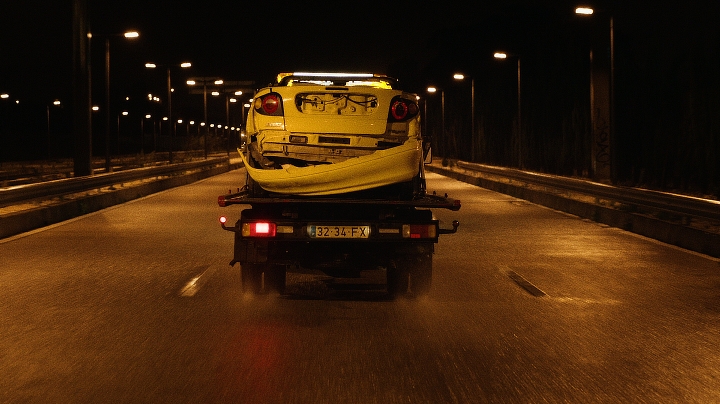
[429, 201]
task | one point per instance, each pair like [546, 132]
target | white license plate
[339, 231]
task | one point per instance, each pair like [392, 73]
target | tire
[421, 275]
[275, 278]
[251, 278]
[397, 281]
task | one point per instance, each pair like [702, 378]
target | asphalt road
[137, 304]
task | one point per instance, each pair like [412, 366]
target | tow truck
[336, 182]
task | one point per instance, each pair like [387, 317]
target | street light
[602, 106]
[433, 90]
[56, 103]
[142, 133]
[503, 56]
[204, 81]
[128, 35]
[183, 65]
[461, 77]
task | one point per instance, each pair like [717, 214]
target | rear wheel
[421, 274]
[397, 280]
[275, 278]
[251, 278]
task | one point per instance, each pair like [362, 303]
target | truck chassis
[339, 236]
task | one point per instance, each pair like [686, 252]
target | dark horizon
[666, 89]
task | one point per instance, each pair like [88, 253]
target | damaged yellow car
[316, 134]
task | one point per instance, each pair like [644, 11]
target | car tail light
[258, 229]
[269, 104]
[402, 109]
[419, 231]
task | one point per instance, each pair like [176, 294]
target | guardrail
[669, 202]
[66, 186]
[685, 221]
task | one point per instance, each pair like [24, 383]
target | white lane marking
[581, 300]
[193, 285]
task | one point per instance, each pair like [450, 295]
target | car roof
[336, 79]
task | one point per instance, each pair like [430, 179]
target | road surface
[137, 304]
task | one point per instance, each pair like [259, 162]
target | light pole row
[602, 108]
[171, 128]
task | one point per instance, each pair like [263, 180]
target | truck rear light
[419, 231]
[258, 229]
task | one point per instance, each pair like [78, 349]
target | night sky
[667, 64]
[253, 40]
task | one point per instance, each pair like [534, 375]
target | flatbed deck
[430, 201]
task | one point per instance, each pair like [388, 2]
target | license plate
[339, 231]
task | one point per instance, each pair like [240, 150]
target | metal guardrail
[668, 202]
[66, 186]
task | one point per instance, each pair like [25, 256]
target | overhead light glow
[312, 74]
[584, 10]
[500, 55]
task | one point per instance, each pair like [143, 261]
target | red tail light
[269, 104]
[402, 109]
[419, 231]
[259, 229]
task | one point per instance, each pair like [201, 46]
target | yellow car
[334, 133]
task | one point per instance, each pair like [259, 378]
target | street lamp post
[129, 35]
[183, 65]
[460, 77]
[49, 145]
[123, 113]
[442, 150]
[142, 133]
[204, 81]
[602, 106]
[503, 56]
